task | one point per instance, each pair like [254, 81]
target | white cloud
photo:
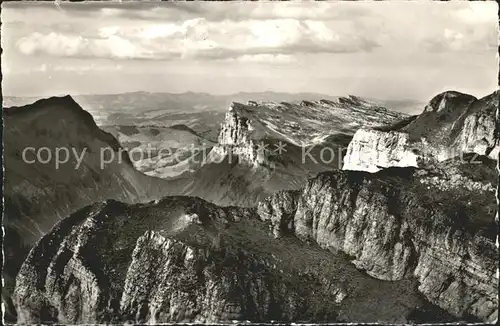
[53, 44]
[42, 68]
[274, 33]
[321, 31]
[197, 38]
[67, 45]
[214, 31]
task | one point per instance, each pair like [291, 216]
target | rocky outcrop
[398, 225]
[184, 260]
[373, 150]
[238, 139]
[477, 132]
[449, 104]
[236, 127]
[451, 125]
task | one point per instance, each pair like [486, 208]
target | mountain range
[163, 109]
[389, 229]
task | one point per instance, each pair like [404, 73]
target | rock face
[301, 124]
[184, 260]
[373, 150]
[402, 223]
[236, 138]
[477, 133]
[247, 127]
[236, 128]
[449, 104]
[452, 124]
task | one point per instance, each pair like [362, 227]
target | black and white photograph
[250, 162]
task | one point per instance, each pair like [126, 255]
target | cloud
[70, 45]
[462, 38]
[198, 39]
[218, 31]
[236, 11]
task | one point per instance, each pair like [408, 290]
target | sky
[386, 50]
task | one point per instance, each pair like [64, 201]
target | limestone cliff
[238, 138]
[373, 150]
[477, 132]
[402, 223]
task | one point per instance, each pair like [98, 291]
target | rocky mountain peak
[235, 127]
[66, 103]
[41, 114]
[451, 124]
[239, 135]
[449, 101]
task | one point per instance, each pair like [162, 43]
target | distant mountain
[407, 106]
[137, 108]
[145, 101]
